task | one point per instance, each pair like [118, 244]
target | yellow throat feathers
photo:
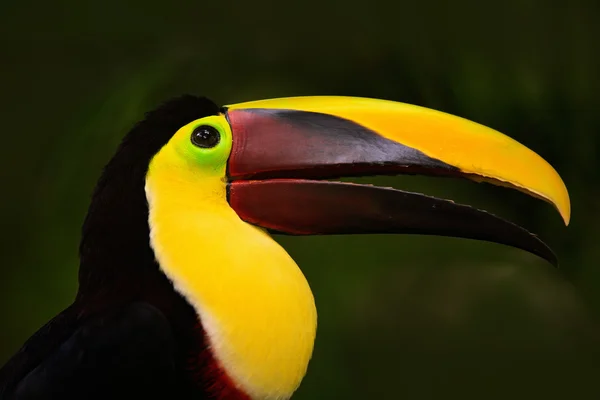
[252, 299]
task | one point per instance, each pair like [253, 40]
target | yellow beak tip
[566, 214]
[562, 203]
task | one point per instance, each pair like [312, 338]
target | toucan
[183, 292]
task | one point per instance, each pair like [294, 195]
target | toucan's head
[218, 180]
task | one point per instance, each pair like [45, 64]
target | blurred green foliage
[399, 316]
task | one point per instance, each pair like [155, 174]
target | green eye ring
[205, 136]
[205, 144]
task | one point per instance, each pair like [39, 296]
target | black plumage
[129, 352]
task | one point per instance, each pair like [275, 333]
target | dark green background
[399, 316]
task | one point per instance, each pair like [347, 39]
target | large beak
[282, 148]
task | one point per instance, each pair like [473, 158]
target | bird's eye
[206, 136]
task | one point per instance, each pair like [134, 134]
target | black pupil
[205, 136]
